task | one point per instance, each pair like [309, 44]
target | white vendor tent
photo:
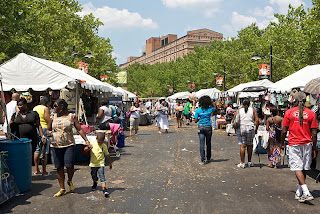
[265, 82]
[213, 93]
[297, 80]
[180, 95]
[23, 72]
[240, 87]
[127, 95]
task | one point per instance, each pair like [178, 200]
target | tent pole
[77, 99]
[4, 106]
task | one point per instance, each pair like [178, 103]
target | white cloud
[265, 12]
[115, 55]
[208, 7]
[284, 4]
[114, 18]
[241, 21]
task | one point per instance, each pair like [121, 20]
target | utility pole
[224, 77]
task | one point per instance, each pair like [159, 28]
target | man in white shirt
[11, 109]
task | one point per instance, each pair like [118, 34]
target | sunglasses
[55, 106]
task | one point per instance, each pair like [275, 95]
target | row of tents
[296, 80]
[25, 72]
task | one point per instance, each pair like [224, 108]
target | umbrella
[254, 89]
[313, 87]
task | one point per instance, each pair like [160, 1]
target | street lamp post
[271, 63]
[224, 77]
[256, 57]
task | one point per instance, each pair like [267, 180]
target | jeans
[205, 133]
[100, 171]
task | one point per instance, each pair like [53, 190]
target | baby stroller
[115, 131]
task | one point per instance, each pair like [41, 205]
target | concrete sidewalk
[160, 173]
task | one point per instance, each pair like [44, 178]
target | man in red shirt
[302, 125]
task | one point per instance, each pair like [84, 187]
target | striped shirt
[62, 131]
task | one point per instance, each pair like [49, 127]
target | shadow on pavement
[219, 160]
[85, 190]
[7, 206]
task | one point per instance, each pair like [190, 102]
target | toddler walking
[98, 150]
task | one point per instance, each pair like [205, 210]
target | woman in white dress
[162, 120]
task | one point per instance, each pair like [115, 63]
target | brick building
[169, 47]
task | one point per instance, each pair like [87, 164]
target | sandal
[60, 193]
[71, 185]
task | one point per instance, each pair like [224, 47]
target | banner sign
[103, 77]
[83, 66]
[8, 188]
[170, 90]
[264, 71]
[219, 81]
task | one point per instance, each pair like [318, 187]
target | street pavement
[160, 173]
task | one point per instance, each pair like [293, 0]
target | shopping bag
[236, 122]
[265, 139]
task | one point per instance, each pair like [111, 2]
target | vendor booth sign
[8, 188]
[264, 71]
[219, 81]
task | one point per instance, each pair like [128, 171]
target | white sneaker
[250, 164]
[296, 196]
[305, 197]
[241, 165]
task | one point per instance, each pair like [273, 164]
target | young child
[98, 149]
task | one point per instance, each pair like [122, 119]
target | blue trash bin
[19, 161]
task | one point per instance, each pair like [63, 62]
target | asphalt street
[160, 173]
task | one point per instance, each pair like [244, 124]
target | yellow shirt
[40, 110]
[97, 154]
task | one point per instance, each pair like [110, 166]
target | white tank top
[136, 112]
[246, 119]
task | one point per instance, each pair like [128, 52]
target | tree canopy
[295, 44]
[50, 29]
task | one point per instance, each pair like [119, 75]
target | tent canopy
[180, 95]
[298, 79]
[240, 87]
[23, 72]
[126, 94]
[213, 93]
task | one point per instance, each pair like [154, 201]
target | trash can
[19, 161]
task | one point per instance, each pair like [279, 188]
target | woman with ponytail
[249, 123]
[302, 124]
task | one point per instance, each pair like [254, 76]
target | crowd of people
[54, 128]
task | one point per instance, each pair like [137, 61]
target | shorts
[245, 135]
[134, 123]
[64, 156]
[179, 115]
[300, 157]
[187, 116]
[100, 172]
[47, 144]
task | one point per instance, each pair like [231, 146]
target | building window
[199, 37]
[210, 38]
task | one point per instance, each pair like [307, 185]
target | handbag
[128, 114]
[236, 122]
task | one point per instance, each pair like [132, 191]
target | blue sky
[129, 23]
